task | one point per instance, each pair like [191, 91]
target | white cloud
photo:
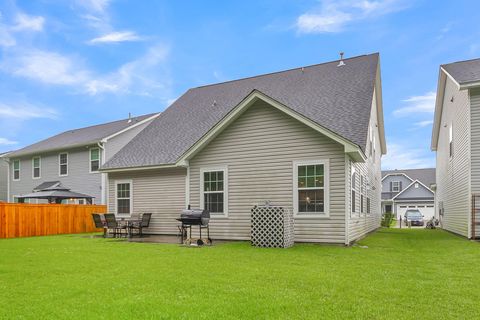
[45, 66]
[423, 124]
[26, 22]
[98, 6]
[417, 104]
[403, 156]
[7, 142]
[120, 36]
[334, 16]
[26, 111]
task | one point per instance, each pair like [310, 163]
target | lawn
[403, 274]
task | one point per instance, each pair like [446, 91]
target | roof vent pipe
[341, 63]
[129, 118]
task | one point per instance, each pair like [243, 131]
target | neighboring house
[409, 189]
[72, 158]
[310, 139]
[456, 139]
[3, 177]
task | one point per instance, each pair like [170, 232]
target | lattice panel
[272, 226]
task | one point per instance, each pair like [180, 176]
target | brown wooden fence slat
[27, 220]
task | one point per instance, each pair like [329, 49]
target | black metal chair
[143, 223]
[112, 224]
[97, 219]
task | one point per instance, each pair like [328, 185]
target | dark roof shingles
[464, 71]
[425, 175]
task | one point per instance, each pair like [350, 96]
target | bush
[387, 219]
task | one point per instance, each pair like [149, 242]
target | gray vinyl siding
[359, 224]
[3, 179]
[412, 193]
[161, 192]
[453, 173]
[386, 184]
[475, 139]
[259, 149]
[79, 178]
[116, 143]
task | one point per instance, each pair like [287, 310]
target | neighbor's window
[362, 192]
[36, 167]
[353, 186]
[311, 187]
[124, 197]
[213, 190]
[94, 159]
[16, 170]
[450, 140]
[63, 164]
[395, 186]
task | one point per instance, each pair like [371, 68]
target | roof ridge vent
[341, 63]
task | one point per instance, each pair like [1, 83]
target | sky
[70, 64]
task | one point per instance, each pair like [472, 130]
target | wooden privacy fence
[27, 220]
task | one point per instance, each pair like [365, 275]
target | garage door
[427, 210]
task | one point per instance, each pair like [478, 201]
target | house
[456, 140]
[72, 158]
[409, 189]
[310, 139]
[3, 177]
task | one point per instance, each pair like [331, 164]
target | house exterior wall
[475, 139]
[412, 193]
[360, 222]
[259, 150]
[160, 192]
[453, 173]
[3, 180]
[79, 178]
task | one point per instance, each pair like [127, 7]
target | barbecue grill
[194, 217]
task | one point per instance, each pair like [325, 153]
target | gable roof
[425, 175]
[81, 136]
[338, 99]
[464, 72]
[401, 193]
[465, 75]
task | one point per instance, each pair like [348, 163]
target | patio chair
[97, 219]
[112, 224]
[143, 223]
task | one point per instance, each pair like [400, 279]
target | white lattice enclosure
[272, 226]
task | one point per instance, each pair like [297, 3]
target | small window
[362, 192]
[63, 164]
[450, 140]
[94, 159]
[213, 190]
[36, 167]
[16, 170]
[395, 186]
[123, 194]
[368, 205]
[353, 186]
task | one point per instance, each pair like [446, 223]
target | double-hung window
[123, 201]
[16, 170]
[354, 191]
[362, 194]
[36, 167]
[213, 185]
[395, 186]
[311, 188]
[63, 164]
[94, 159]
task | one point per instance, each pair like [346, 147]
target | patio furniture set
[121, 227]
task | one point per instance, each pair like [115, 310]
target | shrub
[387, 219]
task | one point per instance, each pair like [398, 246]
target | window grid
[213, 191]
[63, 164]
[123, 198]
[311, 188]
[94, 159]
[16, 170]
[36, 167]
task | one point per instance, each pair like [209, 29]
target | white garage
[427, 209]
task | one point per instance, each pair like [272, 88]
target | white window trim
[354, 213]
[13, 170]
[225, 190]
[326, 188]
[90, 159]
[393, 186]
[117, 182]
[39, 167]
[60, 165]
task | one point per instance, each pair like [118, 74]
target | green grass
[403, 274]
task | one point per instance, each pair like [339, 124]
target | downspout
[103, 177]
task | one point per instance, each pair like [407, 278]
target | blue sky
[71, 64]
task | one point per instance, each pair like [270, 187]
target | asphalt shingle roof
[77, 137]
[464, 71]
[425, 176]
[337, 98]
